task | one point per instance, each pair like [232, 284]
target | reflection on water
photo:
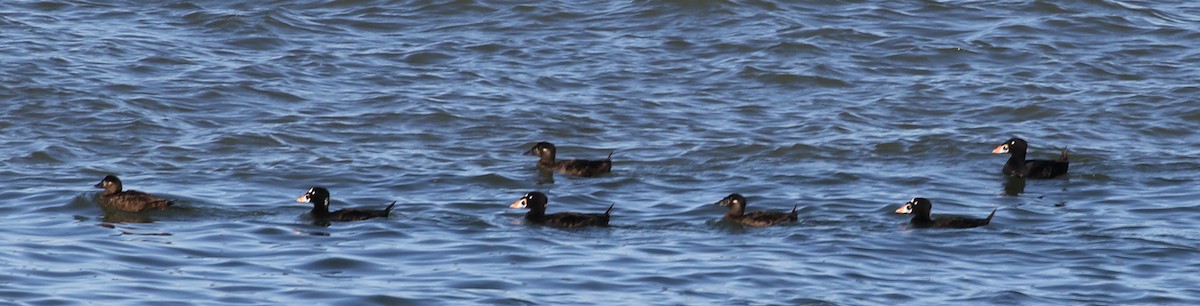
[1014, 185]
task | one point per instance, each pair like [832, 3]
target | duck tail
[795, 213]
[388, 210]
[610, 207]
[1064, 158]
[989, 218]
[609, 158]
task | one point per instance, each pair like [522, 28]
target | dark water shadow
[1014, 186]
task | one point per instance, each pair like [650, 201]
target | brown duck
[577, 167]
[737, 208]
[128, 200]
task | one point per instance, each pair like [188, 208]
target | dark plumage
[128, 200]
[536, 203]
[922, 207]
[577, 167]
[1034, 168]
[737, 207]
[319, 197]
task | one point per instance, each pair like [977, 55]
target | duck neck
[320, 211]
[546, 160]
[535, 214]
[735, 211]
[921, 218]
[1016, 161]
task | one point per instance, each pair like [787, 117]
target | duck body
[128, 200]
[1018, 166]
[319, 197]
[536, 203]
[921, 208]
[737, 207]
[546, 152]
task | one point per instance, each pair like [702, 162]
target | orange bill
[1001, 149]
[518, 204]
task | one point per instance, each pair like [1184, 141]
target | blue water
[847, 108]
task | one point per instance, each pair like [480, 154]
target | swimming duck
[922, 207]
[128, 200]
[536, 203]
[1034, 168]
[737, 207]
[319, 197]
[576, 167]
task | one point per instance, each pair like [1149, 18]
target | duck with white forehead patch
[578, 167]
[1033, 168]
[536, 203]
[737, 213]
[921, 208]
[319, 197]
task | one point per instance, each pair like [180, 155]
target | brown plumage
[536, 203]
[577, 167]
[128, 200]
[737, 207]
[1033, 168]
[319, 197]
[921, 208]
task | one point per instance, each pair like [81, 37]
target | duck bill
[531, 152]
[904, 209]
[1001, 149]
[303, 199]
[724, 202]
[100, 185]
[518, 204]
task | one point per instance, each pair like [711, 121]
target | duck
[536, 203]
[737, 207]
[576, 167]
[319, 197]
[922, 207]
[1035, 168]
[128, 200]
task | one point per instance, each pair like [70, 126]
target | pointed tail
[795, 213]
[1064, 158]
[609, 158]
[388, 210]
[989, 218]
[606, 212]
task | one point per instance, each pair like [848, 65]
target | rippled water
[848, 108]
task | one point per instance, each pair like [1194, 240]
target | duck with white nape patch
[1018, 166]
[536, 203]
[922, 208]
[319, 197]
